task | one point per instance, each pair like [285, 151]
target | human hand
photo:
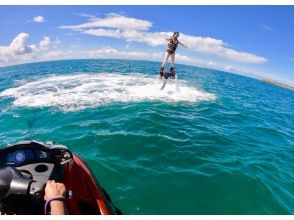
[54, 189]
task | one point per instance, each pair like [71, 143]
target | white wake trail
[80, 91]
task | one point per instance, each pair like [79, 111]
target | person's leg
[165, 59]
[172, 65]
[172, 58]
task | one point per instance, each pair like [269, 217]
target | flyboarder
[170, 52]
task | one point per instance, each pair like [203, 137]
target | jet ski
[25, 168]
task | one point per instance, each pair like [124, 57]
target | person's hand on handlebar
[55, 195]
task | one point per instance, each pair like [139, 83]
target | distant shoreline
[278, 84]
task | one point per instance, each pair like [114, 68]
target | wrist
[57, 207]
[56, 204]
[54, 197]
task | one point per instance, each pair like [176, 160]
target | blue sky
[250, 40]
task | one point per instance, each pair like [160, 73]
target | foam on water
[80, 91]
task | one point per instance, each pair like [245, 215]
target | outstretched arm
[182, 44]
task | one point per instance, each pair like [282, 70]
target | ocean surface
[210, 143]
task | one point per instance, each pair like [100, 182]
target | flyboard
[163, 85]
[165, 77]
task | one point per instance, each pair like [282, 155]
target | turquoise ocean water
[209, 143]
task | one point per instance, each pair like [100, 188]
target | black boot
[173, 72]
[162, 73]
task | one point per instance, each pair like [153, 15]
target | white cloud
[104, 32]
[18, 45]
[76, 44]
[39, 19]
[56, 43]
[218, 47]
[58, 55]
[267, 28]
[17, 48]
[150, 38]
[86, 15]
[108, 53]
[19, 52]
[135, 30]
[205, 45]
[113, 21]
[45, 43]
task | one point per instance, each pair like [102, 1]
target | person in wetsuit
[173, 43]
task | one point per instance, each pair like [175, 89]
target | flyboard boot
[172, 72]
[162, 73]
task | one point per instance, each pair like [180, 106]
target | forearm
[182, 44]
[57, 208]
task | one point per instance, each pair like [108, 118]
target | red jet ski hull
[88, 196]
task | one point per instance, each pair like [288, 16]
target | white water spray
[80, 91]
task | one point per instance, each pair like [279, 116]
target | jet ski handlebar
[26, 167]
